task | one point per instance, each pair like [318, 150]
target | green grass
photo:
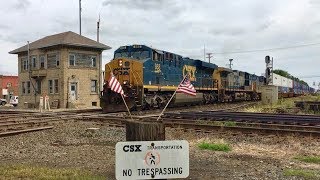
[36, 172]
[230, 124]
[309, 159]
[215, 146]
[307, 174]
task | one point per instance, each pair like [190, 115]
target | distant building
[9, 86]
[64, 66]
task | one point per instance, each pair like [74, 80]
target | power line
[270, 49]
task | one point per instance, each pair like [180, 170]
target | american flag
[115, 85]
[186, 87]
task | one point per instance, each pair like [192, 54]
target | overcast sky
[179, 26]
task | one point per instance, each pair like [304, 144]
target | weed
[37, 172]
[307, 174]
[215, 146]
[309, 159]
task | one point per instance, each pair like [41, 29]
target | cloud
[21, 4]
[179, 26]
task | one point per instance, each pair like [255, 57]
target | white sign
[152, 159]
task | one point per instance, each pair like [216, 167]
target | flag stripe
[115, 85]
[186, 87]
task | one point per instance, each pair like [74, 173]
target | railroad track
[248, 117]
[216, 121]
[13, 123]
[210, 126]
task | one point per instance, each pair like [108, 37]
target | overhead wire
[269, 49]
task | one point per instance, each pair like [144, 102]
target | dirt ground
[69, 145]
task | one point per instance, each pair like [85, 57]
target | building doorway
[73, 91]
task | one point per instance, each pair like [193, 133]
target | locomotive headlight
[125, 82]
[120, 62]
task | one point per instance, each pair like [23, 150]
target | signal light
[267, 59]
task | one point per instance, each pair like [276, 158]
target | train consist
[150, 76]
[290, 88]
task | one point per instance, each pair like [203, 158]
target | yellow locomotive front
[129, 73]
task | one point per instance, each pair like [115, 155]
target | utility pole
[209, 56]
[98, 28]
[204, 52]
[80, 15]
[230, 63]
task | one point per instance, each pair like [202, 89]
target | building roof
[68, 38]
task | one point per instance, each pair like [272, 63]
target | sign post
[152, 159]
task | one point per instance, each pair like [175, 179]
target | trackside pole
[175, 92]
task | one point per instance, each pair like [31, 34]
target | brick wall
[11, 84]
[65, 75]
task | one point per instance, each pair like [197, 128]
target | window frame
[34, 62]
[74, 60]
[50, 86]
[40, 61]
[56, 86]
[95, 86]
[94, 61]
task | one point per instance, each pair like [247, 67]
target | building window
[57, 62]
[50, 85]
[72, 60]
[34, 62]
[53, 60]
[56, 86]
[9, 84]
[24, 64]
[39, 87]
[93, 85]
[23, 85]
[93, 61]
[42, 61]
[28, 87]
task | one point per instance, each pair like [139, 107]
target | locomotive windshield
[140, 54]
[121, 54]
[136, 54]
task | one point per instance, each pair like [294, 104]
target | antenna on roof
[80, 15]
[209, 56]
[98, 28]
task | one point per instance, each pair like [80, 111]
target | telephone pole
[209, 56]
[230, 63]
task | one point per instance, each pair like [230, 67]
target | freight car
[150, 76]
[290, 88]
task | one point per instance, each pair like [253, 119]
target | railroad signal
[269, 68]
[267, 59]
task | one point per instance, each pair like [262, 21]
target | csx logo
[132, 148]
[121, 71]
